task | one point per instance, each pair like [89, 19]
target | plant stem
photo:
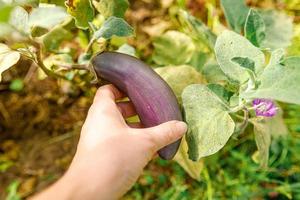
[90, 45]
[40, 63]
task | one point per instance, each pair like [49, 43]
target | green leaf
[114, 26]
[255, 28]
[192, 168]
[110, 8]
[55, 37]
[173, 48]
[82, 11]
[262, 133]
[236, 12]
[294, 49]
[127, 49]
[279, 29]
[276, 57]
[198, 60]
[12, 191]
[220, 91]
[213, 73]
[279, 82]
[230, 45]
[5, 11]
[210, 125]
[8, 58]
[245, 63]
[47, 17]
[197, 29]
[179, 77]
[19, 20]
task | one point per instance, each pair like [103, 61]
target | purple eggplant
[152, 97]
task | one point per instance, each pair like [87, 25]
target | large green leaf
[192, 168]
[8, 58]
[82, 11]
[280, 82]
[255, 28]
[111, 7]
[262, 133]
[230, 45]
[173, 48]
[236, 13]
[213, 73]
[279, 29]
[114, 26]
[178, 77]
[197, 29]
[210, 125]
[220, 91]
[47, 17]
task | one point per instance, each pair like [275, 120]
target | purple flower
[264, 107]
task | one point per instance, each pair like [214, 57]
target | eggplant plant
[226, 80]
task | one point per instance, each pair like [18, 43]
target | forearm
[79, 183]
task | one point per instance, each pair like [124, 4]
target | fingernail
[181, 127]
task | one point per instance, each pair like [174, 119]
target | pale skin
[111, 154]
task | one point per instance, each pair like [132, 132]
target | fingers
[166, 133]
[108, 92]
[127, 109]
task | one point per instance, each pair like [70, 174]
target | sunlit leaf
[179, 77]
[47, 17]
[210, 125]
[19, 20]
[279, 29]
[280, 82]
[8, 58]
[255, 28]
[192, 168]
[230, 45]
[213, 73]
[114, 26]
[82, 11]
[197, 29]
[236, 13]
[127, 49]
[173, 48]
[262, 135]
[111, 7]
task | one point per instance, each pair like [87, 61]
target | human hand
[111, 154]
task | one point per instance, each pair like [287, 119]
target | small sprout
[264, 107]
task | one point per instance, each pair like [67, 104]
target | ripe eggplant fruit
[154, 100]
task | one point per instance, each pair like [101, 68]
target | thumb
[166, 133]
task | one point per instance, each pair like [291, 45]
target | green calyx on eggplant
[152, 97]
